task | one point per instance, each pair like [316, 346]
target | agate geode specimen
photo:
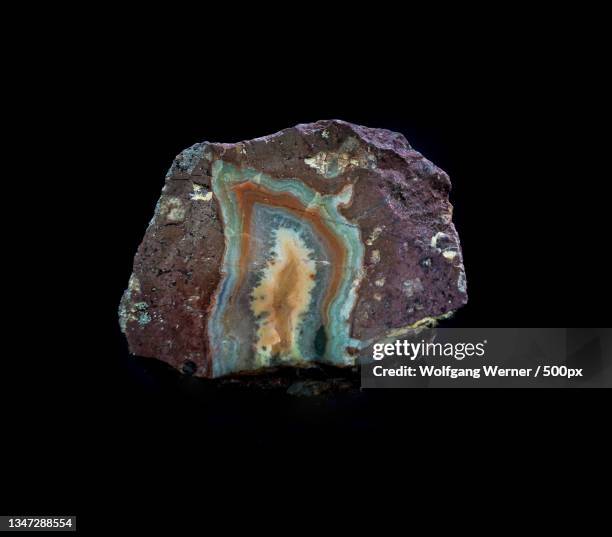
[305, 246]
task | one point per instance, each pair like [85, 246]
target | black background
[97, 427]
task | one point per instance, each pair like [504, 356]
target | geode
[305, 246]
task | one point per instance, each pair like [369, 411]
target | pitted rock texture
[305, 246]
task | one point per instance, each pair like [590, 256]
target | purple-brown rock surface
[308, 245]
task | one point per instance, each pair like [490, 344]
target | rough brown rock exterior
[386, 194]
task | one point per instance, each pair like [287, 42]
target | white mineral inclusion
[173, 209]
[412, 287]
[199, 195]
[449, 252]
[461, 282]
[434, 239]
[322, 163]
[374, 235]
[333, 163]
[134, 284]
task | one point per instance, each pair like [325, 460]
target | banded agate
[291, 266]
[301, 247]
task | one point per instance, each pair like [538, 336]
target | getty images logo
[412, 350]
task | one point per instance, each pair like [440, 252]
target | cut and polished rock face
[308, 245]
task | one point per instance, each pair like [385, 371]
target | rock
[304, 246]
